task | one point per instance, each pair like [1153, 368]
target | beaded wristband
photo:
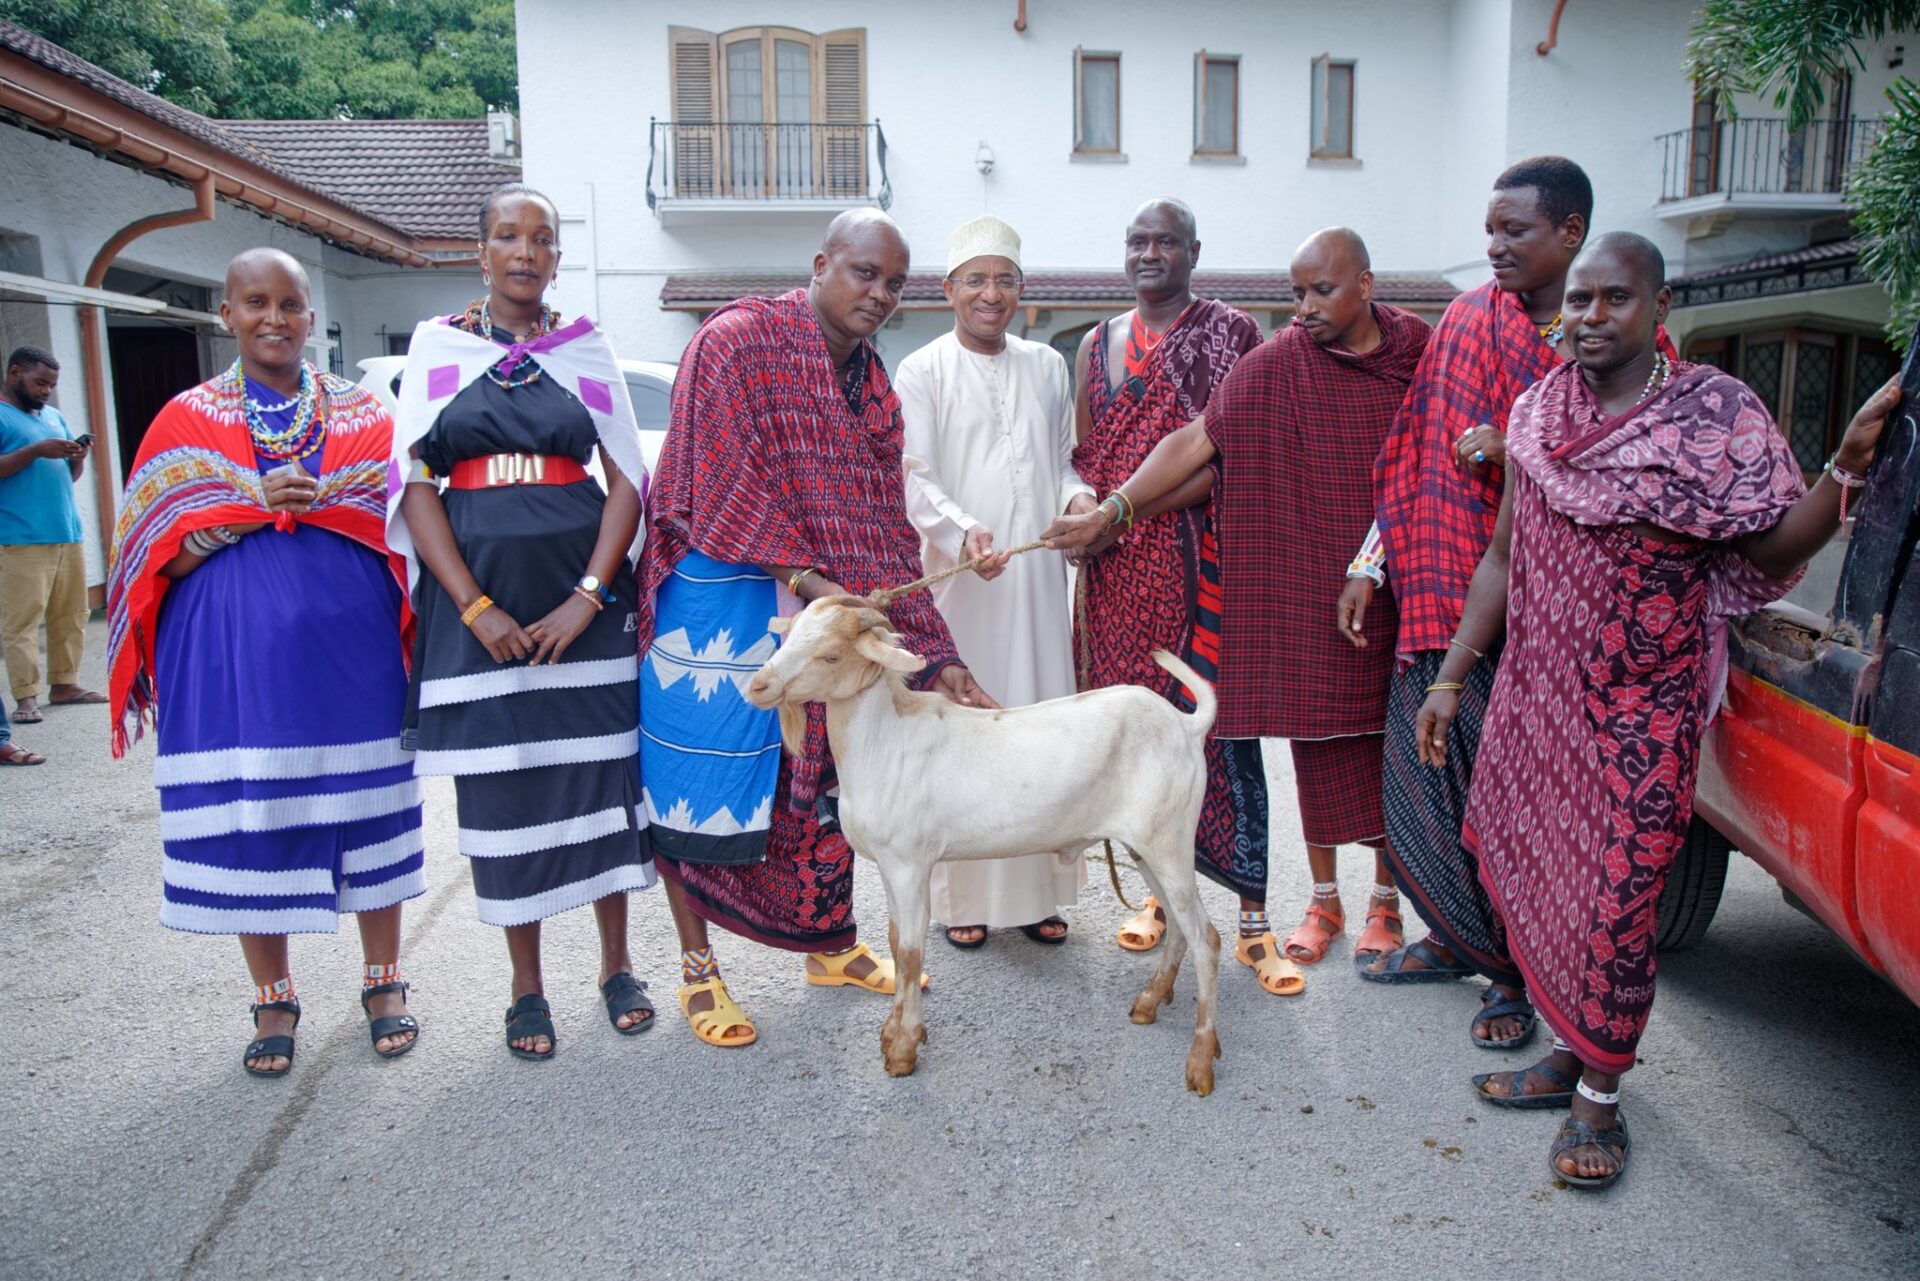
[473, 611]
[592, 598]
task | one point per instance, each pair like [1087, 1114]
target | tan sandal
[1143, 931]
[726, 1016]
[1308, 943]
[881, 978]
[1277, 974]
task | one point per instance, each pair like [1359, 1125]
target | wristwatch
[589, 583]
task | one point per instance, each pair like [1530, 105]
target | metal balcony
[1759, 165]
[705, 167]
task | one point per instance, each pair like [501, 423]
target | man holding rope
[989, 432]
[1293, 431]
[781, 482]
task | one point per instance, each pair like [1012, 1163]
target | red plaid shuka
[1297, 427]
[1436, 517]
[769, 462]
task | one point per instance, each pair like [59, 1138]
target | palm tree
[1788, 51]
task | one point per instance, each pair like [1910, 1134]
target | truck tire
[1694, 885]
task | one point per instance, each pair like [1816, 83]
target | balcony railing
[766, 162]
[1763, 157]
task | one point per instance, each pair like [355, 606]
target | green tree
[296, 59]
[1788, 52]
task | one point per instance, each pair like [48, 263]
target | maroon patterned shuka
[768, 463]
[1297, 427]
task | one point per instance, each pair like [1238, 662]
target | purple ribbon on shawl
[519, 351]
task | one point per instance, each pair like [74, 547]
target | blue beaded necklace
[302, 436]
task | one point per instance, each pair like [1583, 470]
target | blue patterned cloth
[710, 803]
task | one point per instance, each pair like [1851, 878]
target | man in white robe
[989, 440]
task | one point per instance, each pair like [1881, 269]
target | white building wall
[72, 201]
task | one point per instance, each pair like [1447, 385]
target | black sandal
[1575, 1133]
[1051, 940]
[624, 994]
[390, 1024]
[1493, 1006]
[966, 945]
[1557, 1098]
[268, 1047]
[527, 1018]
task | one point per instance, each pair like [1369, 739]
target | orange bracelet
[476, 609]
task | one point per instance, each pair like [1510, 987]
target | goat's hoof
[902, 1064]
[1145, 1009]
[1200, 1079]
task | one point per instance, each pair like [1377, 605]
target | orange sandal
[1308, 943]
[726, 1024]
[878, 979]
[1384, 932]
[1276, 973]
[1143, 931]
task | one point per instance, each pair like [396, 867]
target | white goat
[923, 779]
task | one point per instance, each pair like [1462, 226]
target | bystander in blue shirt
[36, 502]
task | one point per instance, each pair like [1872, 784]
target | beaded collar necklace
[479, 320]
[302, 436]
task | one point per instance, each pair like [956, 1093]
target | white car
[649, 382]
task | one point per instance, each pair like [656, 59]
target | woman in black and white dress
[524, 680]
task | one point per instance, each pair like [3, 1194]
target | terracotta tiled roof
[426, 177]
[1831, 251]
[1091, 289]
[422, 177]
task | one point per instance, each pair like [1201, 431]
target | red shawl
[196, 469]
[767, 464]
[1297, 427]
[1139, 595]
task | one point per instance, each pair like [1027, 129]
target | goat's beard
[793, 727]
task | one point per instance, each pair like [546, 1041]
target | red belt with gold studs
[493, 470]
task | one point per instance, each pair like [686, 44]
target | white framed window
[1332, 108]
[1096, 102]
[1216, 104]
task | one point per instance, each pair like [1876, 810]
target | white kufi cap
[984, 237]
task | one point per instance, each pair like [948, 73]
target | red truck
[1812, 768]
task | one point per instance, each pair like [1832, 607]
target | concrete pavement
[1774, 1116]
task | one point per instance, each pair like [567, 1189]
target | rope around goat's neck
[887, 595]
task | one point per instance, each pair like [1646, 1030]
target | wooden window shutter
[841, 111]
[696, 111]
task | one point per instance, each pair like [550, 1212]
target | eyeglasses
[1005, 283]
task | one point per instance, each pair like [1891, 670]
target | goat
[923, 779]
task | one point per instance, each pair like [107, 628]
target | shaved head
[249, 263]
[1336, 245]
[1634, 252]
[1181, 214]
[860, 227]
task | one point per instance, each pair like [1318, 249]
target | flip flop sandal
[726, 1016]
[1575, 1133]
[28, 718]
[1308, 943]
[530, 1017]
[1384, 933]
[1494, 1007]
[1434, 970]
[269, 1047]
[625, 994]
[879, 979]
[1277, 974]
[1520, 1100]
[85, 698]
[966, 945]
[21, 757]
[1051, 940]
[1142, 931]
[390, 1024]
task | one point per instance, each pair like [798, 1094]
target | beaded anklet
[278, 990]
[375, 975]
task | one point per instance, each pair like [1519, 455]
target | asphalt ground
[1774, 1116]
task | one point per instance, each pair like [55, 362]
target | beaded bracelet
[473, 611]
[592, 598]
[1848, 482]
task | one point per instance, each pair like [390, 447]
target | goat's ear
[879, 647]
[793, 727]
[779, 626]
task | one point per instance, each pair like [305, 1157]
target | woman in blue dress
[255, 617]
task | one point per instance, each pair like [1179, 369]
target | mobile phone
[84, 438]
